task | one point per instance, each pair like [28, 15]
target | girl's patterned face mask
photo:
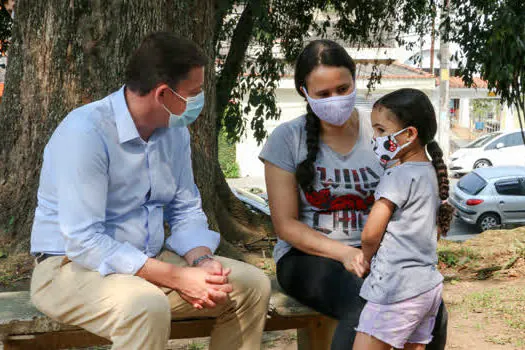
[386, 148]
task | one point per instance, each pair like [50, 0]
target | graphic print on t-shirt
[344, 199]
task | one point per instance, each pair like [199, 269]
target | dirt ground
[483, 315]
[484, 291]
[486, 315]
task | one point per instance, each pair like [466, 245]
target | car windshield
[483, 140]
[472, 184]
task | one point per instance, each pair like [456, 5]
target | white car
[494, 149]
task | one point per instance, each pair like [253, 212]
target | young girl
[403, 289]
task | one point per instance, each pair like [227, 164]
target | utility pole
[444, 96]
[432, 41]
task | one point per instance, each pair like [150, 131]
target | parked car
[494, 149]
[489, 197]
[256, 203]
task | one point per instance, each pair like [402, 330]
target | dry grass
[497, 254]
[15, 269]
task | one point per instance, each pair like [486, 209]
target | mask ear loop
[305, 92]
[399, 133]
[175, 92]
[167, 109]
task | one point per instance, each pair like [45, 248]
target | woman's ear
[303, 90]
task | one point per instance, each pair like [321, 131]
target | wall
[292, 106]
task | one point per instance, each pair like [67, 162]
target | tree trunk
[68, 53]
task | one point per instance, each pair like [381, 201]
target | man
[9, 6]
[112, 170]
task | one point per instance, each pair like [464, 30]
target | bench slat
[55, 340]
[18, 316]
[179, 330]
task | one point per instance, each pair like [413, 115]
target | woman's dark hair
[162, 57]
[412, 107]
[316, 53]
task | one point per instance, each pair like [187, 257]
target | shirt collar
[126, 128]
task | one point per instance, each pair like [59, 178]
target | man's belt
[42, 256]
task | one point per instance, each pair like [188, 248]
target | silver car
[256, 203]
[489, 197]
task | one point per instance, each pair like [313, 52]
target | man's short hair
[162, 57]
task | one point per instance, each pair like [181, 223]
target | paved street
[459, 230]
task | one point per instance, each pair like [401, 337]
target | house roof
[394, 70]
[457, 83]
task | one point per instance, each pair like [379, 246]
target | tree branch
[518, 101]
[233, 64]
[221, 10]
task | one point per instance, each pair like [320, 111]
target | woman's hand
[347, 259]
[360, 265]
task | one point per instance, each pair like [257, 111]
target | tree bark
[68, 53]
[233, 66]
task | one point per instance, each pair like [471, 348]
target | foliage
[263, 37]
[6, 24]
[491, 35]
[454, 257]
[196, 346]
[227, 157]
[483, 107]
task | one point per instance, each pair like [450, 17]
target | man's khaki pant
[135, 314]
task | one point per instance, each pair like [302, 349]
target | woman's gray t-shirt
[343, 186]
[405, 263]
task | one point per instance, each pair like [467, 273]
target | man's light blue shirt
[104, 192]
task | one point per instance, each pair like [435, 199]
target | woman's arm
[283, 197]
[375, 227]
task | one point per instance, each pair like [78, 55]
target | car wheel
[482, 163]
[488, 221]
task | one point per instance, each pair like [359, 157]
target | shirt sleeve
[278, 149]
[184, 214]
[81, 168]
[395, 186]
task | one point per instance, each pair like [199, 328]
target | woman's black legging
[327, 287]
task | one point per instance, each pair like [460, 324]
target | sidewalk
[248, 182]
[460, 137]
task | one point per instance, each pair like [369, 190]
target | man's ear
[160, 90]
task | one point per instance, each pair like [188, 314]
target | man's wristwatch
[201, 258]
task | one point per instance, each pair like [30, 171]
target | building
[394, 76]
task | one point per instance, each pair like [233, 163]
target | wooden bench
[23, 327]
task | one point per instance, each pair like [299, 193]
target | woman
[321, 172]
